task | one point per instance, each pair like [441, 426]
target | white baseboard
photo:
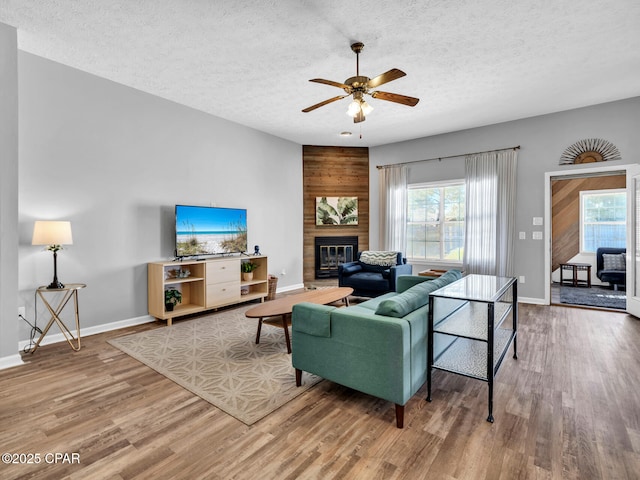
[85, 332]
[11, 361]
[532, 300]
[300, 286]
[107, 327]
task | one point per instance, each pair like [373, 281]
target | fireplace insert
[333, 251]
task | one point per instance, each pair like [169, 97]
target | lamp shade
[52, 233]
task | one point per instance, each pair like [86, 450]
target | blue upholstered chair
[373, 273]
[610, 266]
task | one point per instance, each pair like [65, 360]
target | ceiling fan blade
[359, 117]
[321, 104]
[385, 77]
[331, 82]
[394, 97]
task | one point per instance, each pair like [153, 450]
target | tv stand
[212, 283]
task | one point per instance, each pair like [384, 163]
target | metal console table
[68, 291]
[468, 320]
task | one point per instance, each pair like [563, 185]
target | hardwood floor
[569, 407]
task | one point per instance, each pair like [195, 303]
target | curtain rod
[449, 156]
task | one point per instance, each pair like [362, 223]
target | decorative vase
[247, 276]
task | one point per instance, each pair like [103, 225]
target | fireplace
[333, 251]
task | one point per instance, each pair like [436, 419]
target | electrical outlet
[521, 278]
[523, 235]
[22, 312]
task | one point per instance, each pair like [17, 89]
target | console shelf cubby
[204, 284]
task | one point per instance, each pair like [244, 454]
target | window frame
[436, 184]
[585, 193]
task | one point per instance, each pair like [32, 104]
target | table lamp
[54, 234]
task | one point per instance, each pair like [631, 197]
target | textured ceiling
[470, 62]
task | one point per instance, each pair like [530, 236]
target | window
[435, 221]
[603, 219]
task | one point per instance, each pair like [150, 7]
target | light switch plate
[537, 235]
[537, 220]
[522, 236]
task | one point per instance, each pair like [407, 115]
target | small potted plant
[171, 298]
[247, 270]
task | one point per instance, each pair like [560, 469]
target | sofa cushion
[614, 261]
[372, 304]
[447, 278]
[415, 297]
[317, 319]
[366, 280]
[382, 259]
[407, 301]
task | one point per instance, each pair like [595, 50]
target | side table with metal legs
[69, 291]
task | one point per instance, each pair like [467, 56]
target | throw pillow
[614, 261]
[382, 259]
[351, 268]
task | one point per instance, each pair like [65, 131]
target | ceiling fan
[358, 86]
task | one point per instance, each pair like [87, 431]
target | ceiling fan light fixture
[361, 85]
[354, 108]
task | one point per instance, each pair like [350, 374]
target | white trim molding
[85, 332]
[11, 361]
[568, 173]
[532, 300]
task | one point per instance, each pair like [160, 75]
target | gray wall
[543, 139]
[114, 161]
[8, 196]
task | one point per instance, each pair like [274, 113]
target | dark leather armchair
[369, 280]
[615, 271]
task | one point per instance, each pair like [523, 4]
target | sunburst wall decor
[590, 150]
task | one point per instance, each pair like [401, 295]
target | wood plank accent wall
[333, 172]
[565, 213]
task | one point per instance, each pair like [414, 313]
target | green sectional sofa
[378, 347]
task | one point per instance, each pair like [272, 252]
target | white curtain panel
[490, 212]
[393, 208]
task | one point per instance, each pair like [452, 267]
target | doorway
[568, 255]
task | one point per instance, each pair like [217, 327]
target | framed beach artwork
[336, 211]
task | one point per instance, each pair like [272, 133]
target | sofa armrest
[351, 268]
[312, 319]
[346, 269]
[405, 282]
[395, 272]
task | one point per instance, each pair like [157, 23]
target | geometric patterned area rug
[595, 296]
[216, 358]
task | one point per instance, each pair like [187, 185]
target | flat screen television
[210, 230]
